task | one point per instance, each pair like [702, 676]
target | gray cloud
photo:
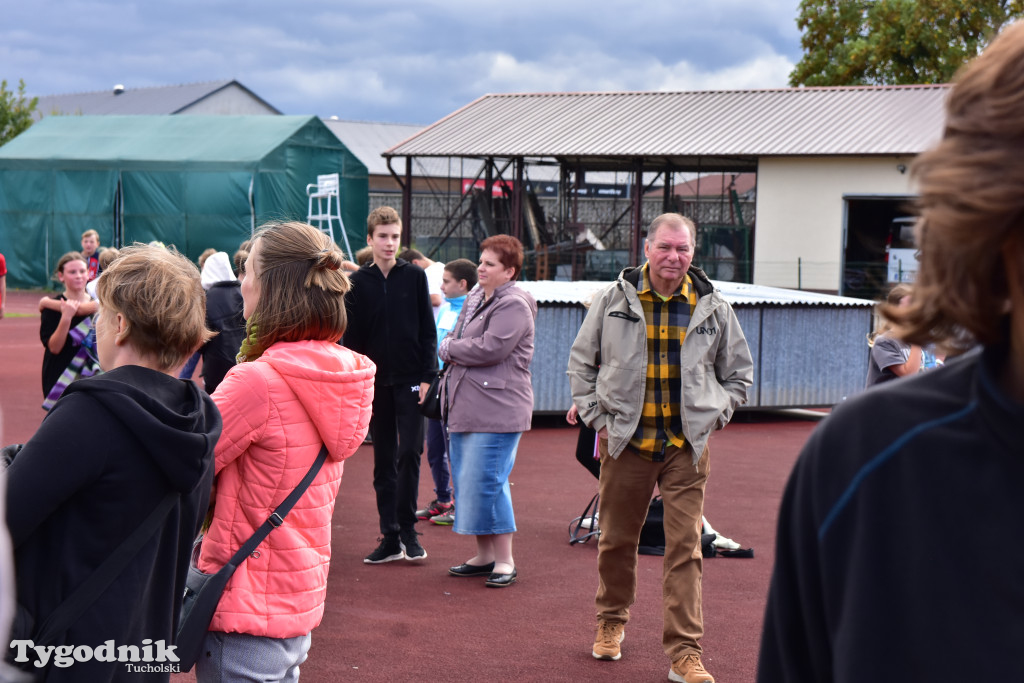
[402, 60]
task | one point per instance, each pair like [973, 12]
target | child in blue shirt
[459, 277]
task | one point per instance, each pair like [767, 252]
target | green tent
[191, 181]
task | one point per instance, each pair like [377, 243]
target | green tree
[15, 111]
[894, 42]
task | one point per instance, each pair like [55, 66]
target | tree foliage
[15, 111]
[894, 42]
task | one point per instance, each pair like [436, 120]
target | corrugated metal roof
[732, 123]
[368, 140]
[558, 292]
[736, 293]
[167, 99]
[741, 294]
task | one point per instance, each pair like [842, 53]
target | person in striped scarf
[64, 332]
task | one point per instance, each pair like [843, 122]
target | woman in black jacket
[223, 316]
[73, 501]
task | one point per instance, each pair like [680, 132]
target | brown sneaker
[609, 635]
[689, 670]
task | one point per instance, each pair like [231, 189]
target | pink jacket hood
[321, 382]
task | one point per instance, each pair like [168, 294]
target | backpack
[652, 533]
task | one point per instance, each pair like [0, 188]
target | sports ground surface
[406, 621]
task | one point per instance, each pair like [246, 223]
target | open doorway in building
[871, 225]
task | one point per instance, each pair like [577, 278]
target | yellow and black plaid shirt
[667, 320]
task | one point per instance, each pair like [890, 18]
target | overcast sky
[401, 61]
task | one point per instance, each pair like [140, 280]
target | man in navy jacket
[897, 550]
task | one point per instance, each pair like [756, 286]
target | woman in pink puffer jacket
[294, 389]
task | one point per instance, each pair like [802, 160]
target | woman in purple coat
[489, 403]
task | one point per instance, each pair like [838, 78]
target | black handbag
[652, 533]
[203, 591]
[431, 406]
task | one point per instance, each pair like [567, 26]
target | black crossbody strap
[75, 605]
[276, 518]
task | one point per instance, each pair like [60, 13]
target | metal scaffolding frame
[510, 175]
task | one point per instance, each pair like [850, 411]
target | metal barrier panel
[556, 328]
[812, 356]
[804, 356]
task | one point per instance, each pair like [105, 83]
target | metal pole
[407, 204]
[668, 194]
[638, 206]
[799, 273]
[517, 200]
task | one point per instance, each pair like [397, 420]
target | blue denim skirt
[481, 464]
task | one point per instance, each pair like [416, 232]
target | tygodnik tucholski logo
[150, 657]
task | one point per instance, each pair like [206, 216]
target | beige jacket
[608, 363]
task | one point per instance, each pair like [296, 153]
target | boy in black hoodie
[390, 319]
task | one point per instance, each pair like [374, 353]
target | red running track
[407, 621]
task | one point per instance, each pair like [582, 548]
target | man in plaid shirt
[659, 363]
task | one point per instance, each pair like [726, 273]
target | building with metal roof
[713, 185]
[831, 162]
[368, 140]
[211, 97]
[726, 130]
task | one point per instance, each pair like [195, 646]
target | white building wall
[800, 212]
[228, 101]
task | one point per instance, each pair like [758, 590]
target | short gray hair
[676, 219]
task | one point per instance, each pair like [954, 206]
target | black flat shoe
[496, 580]
[471, 570]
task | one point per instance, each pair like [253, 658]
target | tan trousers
[627, 484]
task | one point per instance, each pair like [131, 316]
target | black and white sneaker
[389, 550]
[411, 546]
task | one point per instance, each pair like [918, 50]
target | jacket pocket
[489, 377]
[625, 315]
[707, 399]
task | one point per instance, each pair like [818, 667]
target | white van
[900, 250]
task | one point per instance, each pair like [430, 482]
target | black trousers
[397, 430]
[585, 450]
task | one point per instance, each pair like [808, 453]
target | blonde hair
[301, 283]
[207, 253]
[107, 257]
[364, 256]
[971, 206]
[90, 233]
[892, 299]
[382, 215]
[158, 293]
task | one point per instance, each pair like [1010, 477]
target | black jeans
[397, 430]
[437, 459]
